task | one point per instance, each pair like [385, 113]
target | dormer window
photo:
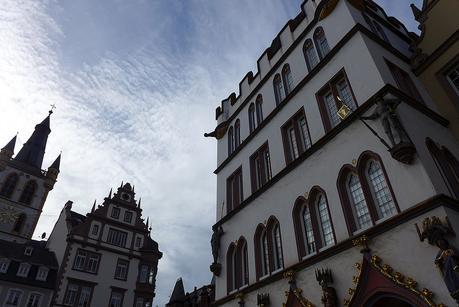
[95, 230]
[115, 213]
[4, 264]
[28, 251]
[138, 241]
[128, 216]
[42, 273]
[23, 270]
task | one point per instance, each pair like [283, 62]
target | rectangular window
[334, 96]
[71, 295]
[144, 273]
[453, 78]
[4, 264]
[260, 167]
[23, 270]
[78, 295]
[234, 194]
[116, 299]
[86, 261]
[404, 81]
[34, 300]
[128, 216]
[115, 213]
[121, 270]
[116, 237]
[295, 134]
[95, 229]
[138, 241]
[13, 298]
[42, 273]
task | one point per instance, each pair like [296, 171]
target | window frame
[19, 298]
[309, 45]
[294, 123]
[79, 284]
[116, 232]
[121, 260]
[231, 146]
[287, 79]
[8, 188]
[279, 90]
[4, 265]
[42, 273]
[231, 192]
[87, 261]
[251, 113]
[23, 266]
[331, 86]
[40, 297]
[318, 33]
[237, 133]
[119, 291]
[258, 180]
[259, 109]
[442, 76]
[404, 81]
[28, 192]
[126, 214]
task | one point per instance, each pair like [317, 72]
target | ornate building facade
[436, 57]
[334, 167]
[106, 257]
[24, 186]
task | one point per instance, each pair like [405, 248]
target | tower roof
[57, 163]
[33, 151]
[178, 294]
[10, 146]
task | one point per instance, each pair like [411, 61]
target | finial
[148, 221]
[53, 106]
[93, 206]
[110, 194]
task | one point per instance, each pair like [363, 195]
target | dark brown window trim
[266, 177]
[127, 269]
[331, 134]
[389, 25]
[442, 78]
[88, 254]
[398, 72]
[330, 86]
[419, 209]
[232, 205]
[357, 28]
[285, 140]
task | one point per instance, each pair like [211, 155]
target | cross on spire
[53, 106]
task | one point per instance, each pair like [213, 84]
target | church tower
[24, 185]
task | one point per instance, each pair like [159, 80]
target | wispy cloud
[135, 84]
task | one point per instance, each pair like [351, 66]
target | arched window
[259, 108]
[312, 223]
[310, 54]
[231, 268]
[230, 140]
[278, 262]
[237, 133]
[243, 263]
[265, 253]
[287, 78]
[262, 255]
[321, 42]
[28, 192]
[251, 117]
[9, 185]
[376, 27]
[19, 224]
[279, 92]
[447, 164]
[365, 192]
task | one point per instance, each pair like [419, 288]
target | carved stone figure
[325, 279]
[447, 259]
[385, 109]
[215, 242]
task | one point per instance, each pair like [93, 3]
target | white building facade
[332, 142]
[106, 258]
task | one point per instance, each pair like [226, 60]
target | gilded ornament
[427, 293]
[328, 9]
[387, 269]
[354, 162]
[290, 275]
[8, 215]
[351, 291]
[399, 277]
[363, 242]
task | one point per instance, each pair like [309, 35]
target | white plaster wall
[57, 239]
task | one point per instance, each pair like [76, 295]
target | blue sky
[136, 84]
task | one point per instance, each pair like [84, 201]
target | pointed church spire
[178, 294]
[93, 206]
[57, 163]
[416, 11]
[33, 151]
[8, 150]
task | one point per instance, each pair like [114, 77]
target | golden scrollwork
[290, 275]
[398, 278]
[362, 241]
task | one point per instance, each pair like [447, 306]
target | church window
[334, 95]
[115, 213]
[116, 299]
[251, 117]
[28, 192]
[9, 185]
[321, 42]
[326, 228]
[310, 55]
[23, 269]
[404, 81]
[259, 109]
[296, 137]
[13, 298]
[234, 190]
[116, 237]
[359, 204]
[128, 216]
[34, 300]
[287, 79]
[42, 273]
[279, 92]
[4, 264]
[237, 133]
[260, 167]
[121, 270]
[18, 225]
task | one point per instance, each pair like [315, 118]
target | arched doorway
[387, 301]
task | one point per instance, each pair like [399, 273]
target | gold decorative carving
[328, 8]
[363, 242]
[299, 295]
[8, 215]
[290, 275]
[354, 162]
[398, 278]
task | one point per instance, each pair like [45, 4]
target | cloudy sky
[136, 84]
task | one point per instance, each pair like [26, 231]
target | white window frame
[4, 265]
[40, 296]
[42, 273]
[6, 304]
[450, 82]
[28, 251]
[23, 270]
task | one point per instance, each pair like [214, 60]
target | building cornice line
[387, 89]
[423, 207]
[356, 29]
